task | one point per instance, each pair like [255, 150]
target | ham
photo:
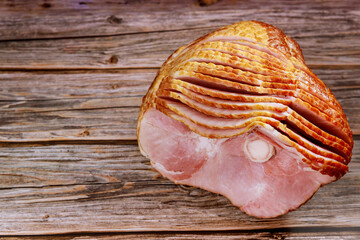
[237, 112]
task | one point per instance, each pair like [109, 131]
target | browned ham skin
[237, 112]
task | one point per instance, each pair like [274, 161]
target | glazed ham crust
[240, 104]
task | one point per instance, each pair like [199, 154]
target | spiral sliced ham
[237, 112]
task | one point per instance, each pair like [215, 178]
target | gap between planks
[273, 233]
[108, 35]
[68, 142]
[312, 66]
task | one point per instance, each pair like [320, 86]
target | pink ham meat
[237, 112]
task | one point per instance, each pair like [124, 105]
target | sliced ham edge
[322, 120]
[279, 55]
[227, 48]
[237, 75]
[225, 71]
[251, 44]
[243, 97]
[243, 64]
[259, 47]
[309, 130]
[199, 118]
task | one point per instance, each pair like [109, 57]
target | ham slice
[237, 112]
[201, 103]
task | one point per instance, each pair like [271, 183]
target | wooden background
[72, 75]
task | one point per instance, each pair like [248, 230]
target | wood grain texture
[58, 19]
[149, 50]
[60, 85]
[43, 106]
[72, 75]
[329, 234]
[112, 188]
[83, 105]
[57, 106]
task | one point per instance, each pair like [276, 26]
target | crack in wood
[259, 234]
[67, 142]
[104, 35]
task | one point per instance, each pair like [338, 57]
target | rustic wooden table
[72, 76]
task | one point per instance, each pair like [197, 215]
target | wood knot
[115, 86]
[114, 20]
[45, 218]
[84, 133]
[278, 236]
[207, 2]
[46, 5]
[113, 59]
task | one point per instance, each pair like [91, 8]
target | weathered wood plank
[112, 188]
[43, 106]
[291, 234]
[47, 106]
[330, 44]
[54, 19]
[110, 123]
[61, 85]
